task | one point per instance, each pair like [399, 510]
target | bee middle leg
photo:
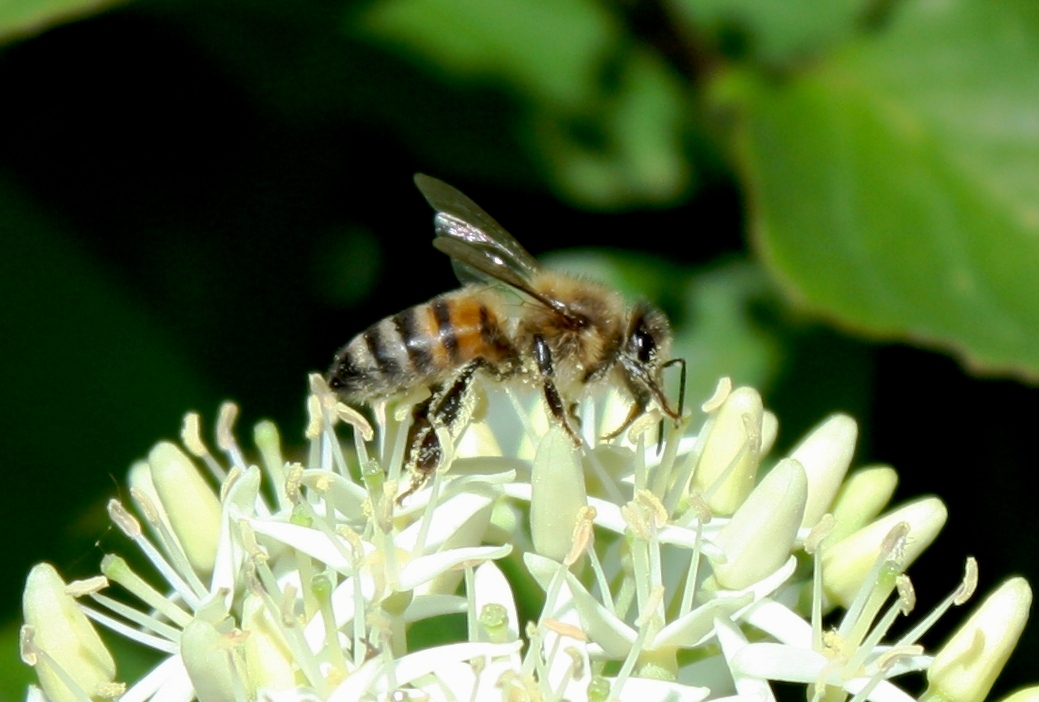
[543, 357]
[449, 407]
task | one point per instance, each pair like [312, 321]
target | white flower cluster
[671, 572]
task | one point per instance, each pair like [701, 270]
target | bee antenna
[681, 382]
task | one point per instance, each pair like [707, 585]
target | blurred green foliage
[204, 200]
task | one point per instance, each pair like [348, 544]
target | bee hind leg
[425, 452]
[449, 407]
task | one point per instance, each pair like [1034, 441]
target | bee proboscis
[512, 319]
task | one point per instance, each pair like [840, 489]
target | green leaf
[23, 18]
[549, 50]
[603, 114]
[770, 32]
[894, 187]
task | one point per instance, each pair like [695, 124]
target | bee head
[649, 336]
[646, 350]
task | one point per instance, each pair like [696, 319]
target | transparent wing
[479, 247]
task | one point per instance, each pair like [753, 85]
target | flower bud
[969, 662]
[65, 635]
[758, 539]
[846, 563]
[729, 460]
[825, 455]
[190, 504]
[557, 495]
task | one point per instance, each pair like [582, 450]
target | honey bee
[512, 320]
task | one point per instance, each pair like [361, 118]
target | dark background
[173, 234]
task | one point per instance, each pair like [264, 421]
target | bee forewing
[460, 219]
[479, 265]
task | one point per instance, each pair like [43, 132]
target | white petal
[691, 630]
[773, 661]
[359, 682]
[780, 622]
[427, 606]
[883, 692]
[455, 681]
[450, 517]
[311, 542]
[733, 642]
[343, 608]
[166, 682]
[427, 661]
[543, 570]
[346, 496]
[648, 689]
[425, 568]
[240, 501]
[602, 626]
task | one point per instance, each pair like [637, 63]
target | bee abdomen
[423, 345]
[386, 358]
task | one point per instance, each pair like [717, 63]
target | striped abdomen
[422, 345]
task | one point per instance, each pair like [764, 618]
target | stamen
[37, 657]
[693, 572]
[166, 641]
[876, 586]
[225, 438]
[956, 598]
[119, 571]
[564, 629]
[721, 393]
[902, 605]
[315, 419]
[179, 574]
[321, 586]
[86, 587]
[823, 528]
[583, 535]
[191, 437]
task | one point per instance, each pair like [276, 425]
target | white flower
[306, 581]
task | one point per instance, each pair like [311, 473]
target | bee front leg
[449, 407]
[543, 357]
[642, 399]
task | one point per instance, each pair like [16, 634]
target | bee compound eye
[644, 345]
